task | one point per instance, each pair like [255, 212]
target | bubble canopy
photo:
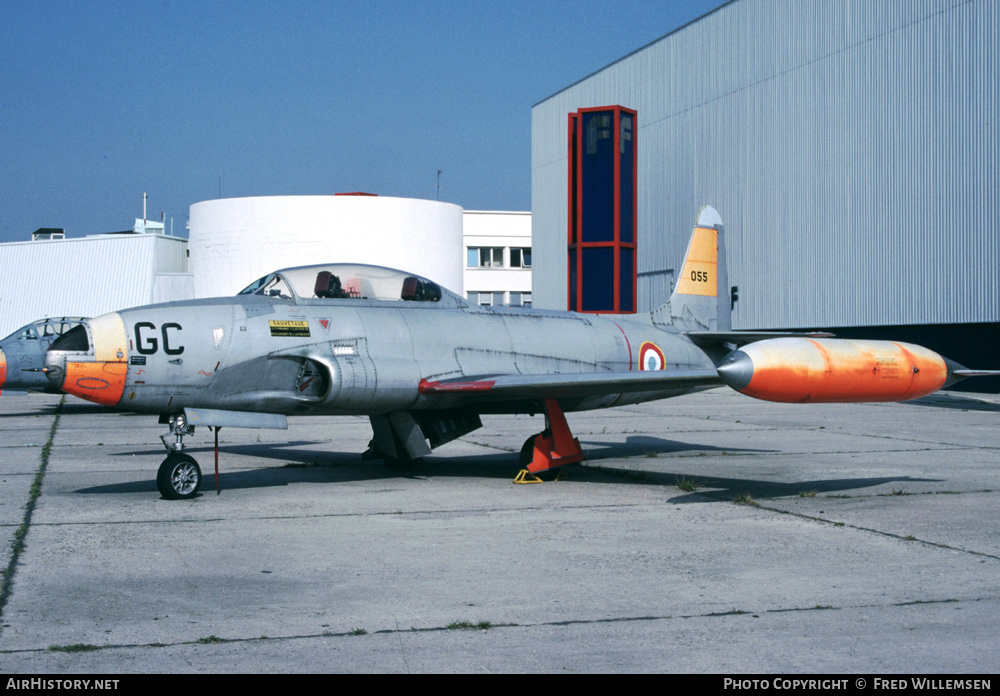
[350, 282]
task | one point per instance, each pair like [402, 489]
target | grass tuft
[74, 648]
[465, 625]
[687, 484]
[211, 640]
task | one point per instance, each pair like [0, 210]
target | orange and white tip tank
[831, 370]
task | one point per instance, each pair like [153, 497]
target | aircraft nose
[75, 345]
[90, 360]
[3, 368]
[736, 370]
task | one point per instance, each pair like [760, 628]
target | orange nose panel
[840, 370]
[3, 368]
[100, 382]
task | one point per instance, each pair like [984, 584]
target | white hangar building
[89, 276]
[850, 148]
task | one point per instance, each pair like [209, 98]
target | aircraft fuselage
[349, 356]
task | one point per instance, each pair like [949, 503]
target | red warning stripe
[426, 387]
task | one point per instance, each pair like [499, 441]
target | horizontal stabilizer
[957, 372]
[976, 373]
[572, 384]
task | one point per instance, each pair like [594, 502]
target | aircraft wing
[572, 384]
[743, 337]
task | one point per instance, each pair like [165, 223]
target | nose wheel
[179, 477]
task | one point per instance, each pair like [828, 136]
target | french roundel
[651, 357]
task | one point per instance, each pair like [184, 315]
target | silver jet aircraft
[424, 364]
[22, 355]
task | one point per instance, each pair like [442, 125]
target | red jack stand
[556, 446]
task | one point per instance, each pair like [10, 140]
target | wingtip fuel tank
[816, 370]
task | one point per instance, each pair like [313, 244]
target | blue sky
[101, 101]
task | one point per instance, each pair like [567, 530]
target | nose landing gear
[179, 476]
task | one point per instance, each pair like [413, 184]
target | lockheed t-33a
[424, 364]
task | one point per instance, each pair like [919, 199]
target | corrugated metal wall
[850, 146]
[171, 255]
[85, 277]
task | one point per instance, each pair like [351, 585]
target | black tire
[527, 451]
[528, 448]
[179, 477]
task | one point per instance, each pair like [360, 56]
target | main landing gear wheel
[527, 451]
[179, 477]
[528, 448]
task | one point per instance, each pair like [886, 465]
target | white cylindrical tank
[234, 241]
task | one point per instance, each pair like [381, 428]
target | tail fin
[700, 301]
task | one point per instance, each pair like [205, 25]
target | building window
[602, 210]
[484, 257]
[491, 299]
[520, 257]
[520, 299]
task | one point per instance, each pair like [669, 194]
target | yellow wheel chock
[525, 476]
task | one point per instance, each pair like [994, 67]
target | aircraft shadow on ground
[319, 466]
[73, 408]
[963, 403]
[714, 488]
[25, 414]
[306, 463]
[643, 445]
